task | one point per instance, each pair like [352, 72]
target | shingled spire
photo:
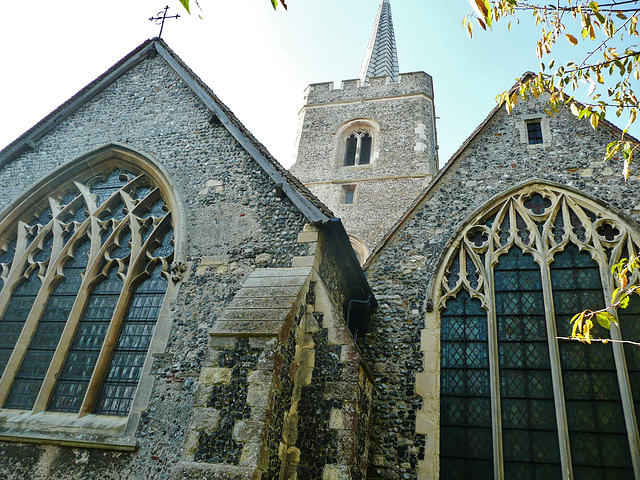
[381, 57]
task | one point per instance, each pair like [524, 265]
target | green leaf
[578, 325]
[185, 4]
[614, 295]
[605, 319]
[632, 118]
[274, 3]
[624, 301]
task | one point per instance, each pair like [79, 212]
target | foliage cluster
[611, 67]
[583, 322]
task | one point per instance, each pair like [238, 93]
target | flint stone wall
[235, 223]
[402, 272]
[404, 150]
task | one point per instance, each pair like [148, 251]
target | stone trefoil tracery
[538, 228]
[83, 274]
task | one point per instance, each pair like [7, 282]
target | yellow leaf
[574, 109]
[480, 7]
[632, 118]
[572, 40]
[593, 119]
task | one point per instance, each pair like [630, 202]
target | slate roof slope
[313, 209]
[456, 156]
[381, 58]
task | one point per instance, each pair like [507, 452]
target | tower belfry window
[358, 149]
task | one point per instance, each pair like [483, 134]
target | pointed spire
[381, 57]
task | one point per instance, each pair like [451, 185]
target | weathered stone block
[215, 376]
[336, 472]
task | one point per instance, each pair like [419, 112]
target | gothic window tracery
[358, 148]
[83, 275]
[516, 400]
[357, 143]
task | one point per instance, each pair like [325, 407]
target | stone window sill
[104, 432]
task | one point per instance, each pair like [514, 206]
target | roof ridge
[28, 138]
[454, 158]
[309, 205]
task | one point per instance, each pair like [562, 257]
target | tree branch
[602, 340]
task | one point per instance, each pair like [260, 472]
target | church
[175, 304]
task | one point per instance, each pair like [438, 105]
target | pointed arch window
[516, 399]
[358, 148]
[357, 143]
[83, 274]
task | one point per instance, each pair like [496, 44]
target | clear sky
[256, 60]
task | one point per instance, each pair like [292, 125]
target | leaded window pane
[629, 319]
[365, 149]
[543, 219]
[101, 214]
[43, 345]
[104, 189]
[534, 132]
[85, 348]
[15, 316]
[594, 410]
[529, 430]
[130, 351]
[6, 254]
[465, 395]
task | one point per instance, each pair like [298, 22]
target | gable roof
[312, 208]
[308, 204]
[454, 159]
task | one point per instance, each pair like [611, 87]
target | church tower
[368, 148]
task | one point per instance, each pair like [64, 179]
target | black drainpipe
[359, 322]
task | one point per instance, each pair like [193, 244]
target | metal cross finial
[162, 16]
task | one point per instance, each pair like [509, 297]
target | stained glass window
[558, 402]
[76, 254]
[530, 434]
[15, 316]
[465, 409]
[630, 326]
[133, 343]
[29, 378]
[86, 345]
[597, 432]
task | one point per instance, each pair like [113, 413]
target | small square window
[534, 132]
[348, 194]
